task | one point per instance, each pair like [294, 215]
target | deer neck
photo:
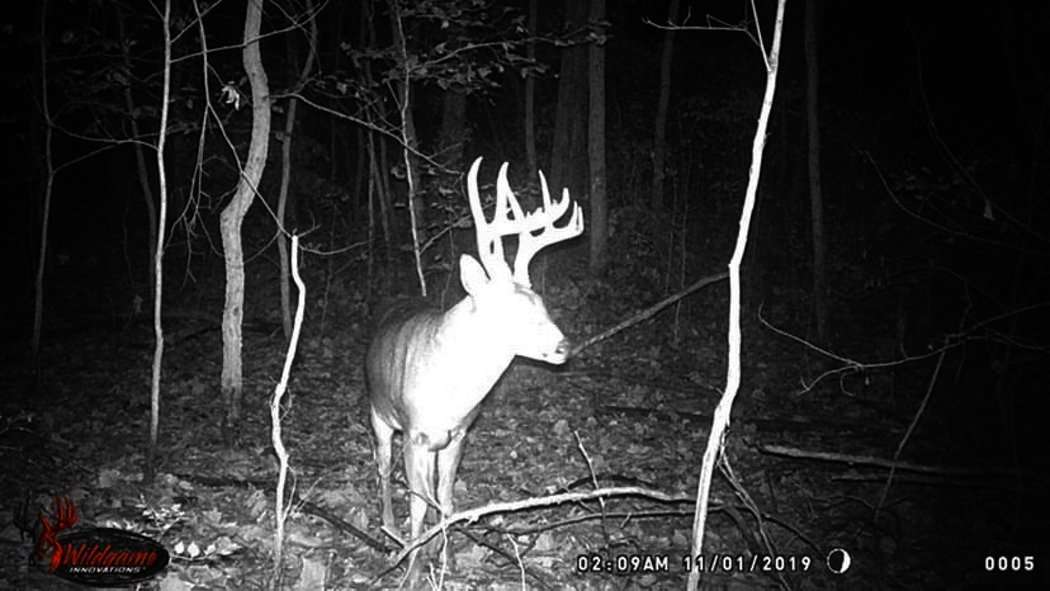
[478, 347]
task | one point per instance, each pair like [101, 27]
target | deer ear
[471, 275]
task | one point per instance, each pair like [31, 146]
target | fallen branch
[512, 506]
[853, 459]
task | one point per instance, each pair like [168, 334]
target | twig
[538, 575]
[720, 422]
[911, 429]
[648, 312]
[280, 513]
[517, 557]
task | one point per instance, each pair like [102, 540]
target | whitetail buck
[428, 370]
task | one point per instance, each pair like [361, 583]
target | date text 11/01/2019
[662, 563]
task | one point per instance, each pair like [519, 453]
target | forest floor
[634, 410]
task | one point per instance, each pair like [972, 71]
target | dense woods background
[895, 287]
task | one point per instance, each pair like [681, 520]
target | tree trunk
[382, 196]
[724, 409]
[530, 130]
[376, 154]
[816, 197]
[45, 218]
[598, 225]
[360, 167]
[570, 115]
[454, 133]
[387, 192]
[158, 254]
[409, 144]
[286, 173]
[656, 198]
[140, 156]
[530, 93]
[233, 216]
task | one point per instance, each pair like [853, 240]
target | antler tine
[505, 198]
[490, 242]
[538, 218]
[533, 220]
[552, 211]
[557, 208]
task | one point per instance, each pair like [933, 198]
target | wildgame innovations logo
[95, 556]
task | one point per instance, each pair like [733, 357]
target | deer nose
[562, 351]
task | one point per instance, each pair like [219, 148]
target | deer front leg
[419, 470]
[447, 465]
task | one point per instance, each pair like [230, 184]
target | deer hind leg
[384, 440]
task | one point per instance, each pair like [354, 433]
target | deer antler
[543, 218]
[510, 219]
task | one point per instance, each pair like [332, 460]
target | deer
[428, 370]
